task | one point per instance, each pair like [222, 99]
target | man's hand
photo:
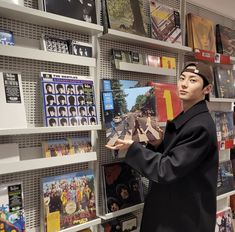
[120, 145]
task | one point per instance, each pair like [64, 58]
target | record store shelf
[39, 163]
[124, 37]
[228, 100]
[122, 212]
[42, 130]
[83, 226]
[146, 69]
[24, 52]
[228, 194]
[26, 14]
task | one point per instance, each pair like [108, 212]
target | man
[183, 169]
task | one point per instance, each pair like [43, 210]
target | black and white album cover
[52, 44]
[84, 10]
[80, 49]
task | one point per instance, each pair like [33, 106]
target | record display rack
[124, 66]
[39, 163]
[30, 60]
[128, 38]
[26, 53]
[35, 16]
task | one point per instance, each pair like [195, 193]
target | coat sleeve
[177, 162]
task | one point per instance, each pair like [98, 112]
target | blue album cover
[6, 37]
[68, 100]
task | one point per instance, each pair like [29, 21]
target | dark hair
[80, 98]
[71, 100]
[63, 120]
[112, 200]
[51, 121]
[81, 108]
[51, 108]
[59, 86]
[73, 120]
[48, 85]
[91, 109]
[83, 120]
[79, 87]
[92, 120]
[120, 187]
[72, 109]
[62, 109]
[50, 97]
[69, 87]
[61, 97]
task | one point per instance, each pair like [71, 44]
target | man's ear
[207, 89]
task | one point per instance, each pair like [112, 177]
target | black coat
[182, 173]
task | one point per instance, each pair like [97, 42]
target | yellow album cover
[168, 62]
[203, 34]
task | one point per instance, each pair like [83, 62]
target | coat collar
[183, 117]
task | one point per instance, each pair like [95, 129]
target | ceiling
[223, 7]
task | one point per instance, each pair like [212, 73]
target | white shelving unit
[26, 57]
[124, 37]
[42, 130]
[122, 212]
[39, 163]
[83, 226]
[146, 69]
[26, 53]
[225, 195]
[26, 14]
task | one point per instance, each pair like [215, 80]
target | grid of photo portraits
[68, 100]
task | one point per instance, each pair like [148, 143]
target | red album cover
[168, 104]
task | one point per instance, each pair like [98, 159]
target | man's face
[190, 87]
[49, 88]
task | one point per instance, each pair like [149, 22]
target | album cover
[68, 200]
[139, 58]
[122, 185]
[168, 62]
[117, 84]
[128, 222]
[113, 225]
[225, 181]
[12, 101]
[54, 148]
[120, 56]
[84, 10]
[224, 220]
[200, 34]
[80, 49]
[12, 207]
[80, 145]
[224, 82]
[68, 100]
[225, 40]
[127, 16]
[130, 114]
[224, 129]
[165, 23]
[6, 37]
[168, 103]
[53, 44]
[154, 61]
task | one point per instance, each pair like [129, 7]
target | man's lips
[183, 92]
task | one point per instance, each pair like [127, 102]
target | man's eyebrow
[193, 75]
